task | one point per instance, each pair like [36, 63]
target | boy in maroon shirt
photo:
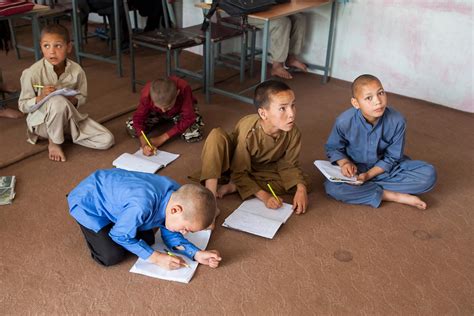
[166, 99]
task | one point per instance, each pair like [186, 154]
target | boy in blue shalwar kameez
[117, 211]
[368, 141]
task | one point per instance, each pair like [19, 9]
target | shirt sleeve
[27, 95]
[187, 114]
[288, 167]
[393, 153]
[124, 231]
[173, 240]
[336, 144]
[142, 112]
[82, 88]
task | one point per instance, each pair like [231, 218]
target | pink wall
[421, 49]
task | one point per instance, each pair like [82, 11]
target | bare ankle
[404, 198]
[211, 184]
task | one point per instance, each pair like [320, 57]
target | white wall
[421, 49]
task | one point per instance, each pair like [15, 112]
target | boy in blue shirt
[368, 141]
[117, 211]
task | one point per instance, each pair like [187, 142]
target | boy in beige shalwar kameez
[263, 149]
[58, 115]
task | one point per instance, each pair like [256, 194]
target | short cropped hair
[57, 29]
[360, 81]
[265, 90]
[198, 202]
[163, 91]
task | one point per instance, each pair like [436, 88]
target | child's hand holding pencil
[148, 149]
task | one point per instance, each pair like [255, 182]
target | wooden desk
[35, 28]
[275, 12]
[286, 9]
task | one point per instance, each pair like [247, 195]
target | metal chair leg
[11, 25]
[243, 56]
[132, 65]
[168, 63]
[253, 45]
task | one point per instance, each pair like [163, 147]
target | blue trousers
[410, 176]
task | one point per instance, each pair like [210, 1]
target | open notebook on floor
[333, 173]
[139, 162]
[199, 239]
[252, 216]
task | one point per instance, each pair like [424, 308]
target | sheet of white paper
[251, 223]
[131, 162]
[161, 158]
[139, 162]
[333, 173]
[199, 239]
[257, 207]
[64, 91]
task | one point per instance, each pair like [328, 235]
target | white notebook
[64, 92]
[184, 274]
[139, 162]
[333, 173]
[253, 217]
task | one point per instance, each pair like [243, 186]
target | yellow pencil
[149, 144]
[173, 255]
[38, 86]
[273, 192]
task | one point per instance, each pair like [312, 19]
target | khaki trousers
[62, 118]
[286, 36]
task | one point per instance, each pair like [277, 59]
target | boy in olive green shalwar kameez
[263, 149]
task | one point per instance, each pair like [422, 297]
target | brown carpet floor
[404, 261]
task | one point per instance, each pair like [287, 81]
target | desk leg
[77, 31]
[118, 27]
[36, 36]
[207, 61]
[329, 47]
[266, 30]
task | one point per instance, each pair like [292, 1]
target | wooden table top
[280, 10]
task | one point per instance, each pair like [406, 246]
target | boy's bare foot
[404, 198]
[279, 70]
[226, 189]
[55, 152]
[10, 113]
[292, 61]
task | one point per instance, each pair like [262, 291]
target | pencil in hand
[169, 253]
[273, 193]
[149, 144]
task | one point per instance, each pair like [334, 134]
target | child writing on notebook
[58, 115]
[117, 210]
[367, 141]
[261, 155]
[169, 99]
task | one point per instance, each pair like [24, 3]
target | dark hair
[58, 29]
[265, 90]
[163, 91]
[361, 81]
